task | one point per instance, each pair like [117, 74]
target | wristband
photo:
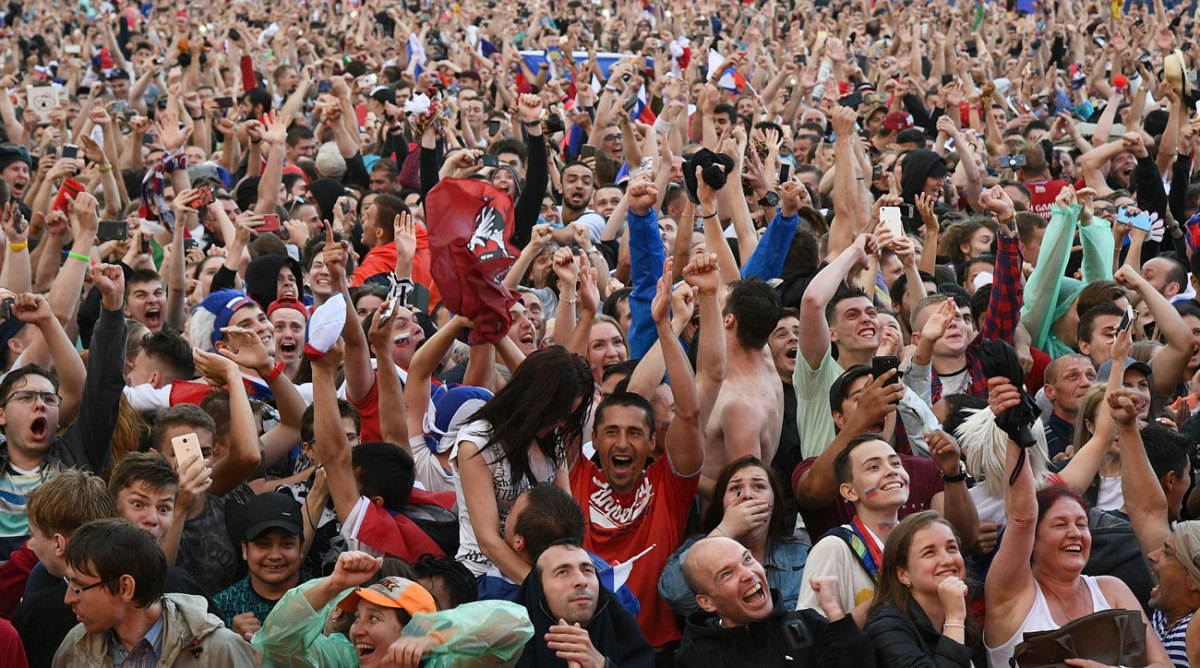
[274, 373]
[961, 476]
[106, 169]
[16, 248]
[79, 256]
[570, 301]
[711, 215]
[1006, 220]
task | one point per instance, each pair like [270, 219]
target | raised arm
[685, 441]
[330, 440]
[814, 336]
[420, 371]
[244, 455]
[1145, 501]
[393, 419]
[1010, 579]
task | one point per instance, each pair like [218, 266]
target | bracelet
[530, 124]
[254, 141]
[952, 626]
[571, 300]
[80, 256]
[610, 89]
[16, 248]
[1006, 220]
[711, 215]
[274, 373]
[196, 118]
[106, 169]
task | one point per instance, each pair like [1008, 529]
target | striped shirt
[15, 486]
[1173, 637]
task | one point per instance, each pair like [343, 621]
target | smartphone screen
[785, 172]
[112, 230]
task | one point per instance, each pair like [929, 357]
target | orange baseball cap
[392, 592]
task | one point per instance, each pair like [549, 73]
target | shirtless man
[741, 396]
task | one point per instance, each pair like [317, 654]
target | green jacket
[475, 635]
[1049, 294]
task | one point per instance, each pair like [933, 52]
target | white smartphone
[186, 448]
[890, 217]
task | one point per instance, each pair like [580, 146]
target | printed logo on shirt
[606, 512]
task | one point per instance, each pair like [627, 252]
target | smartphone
[631, 105]
[6, 308]
[186, 448]
[73, 49]
[889, 216]
[587, 151]
[1142, 221]
[1130, 317]
[882, 364]
[324, 86]
[388, 309]
[270, 223]
[70, 151]
[799, 59]
[188, 244]
[112, 230]
[852, 100]
[204, 197]
[785, 172]
[494, 126]
[907, 210]
[1012, 160]
[647, 165]
[972, 47]
[489, 160]
[224, 102]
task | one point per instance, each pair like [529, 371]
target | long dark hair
[539, 395]
[779, 528]
[889, 591]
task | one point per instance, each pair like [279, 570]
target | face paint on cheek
[871, 492]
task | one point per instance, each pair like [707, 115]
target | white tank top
[1040, 619]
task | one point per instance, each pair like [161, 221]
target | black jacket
[613, 631]
[785, 638]
[911, 640]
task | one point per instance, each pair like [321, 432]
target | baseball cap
[897, 121]
[288, 302]
[392, 592]
[270, 510]
[1131, 364]
[872, 110]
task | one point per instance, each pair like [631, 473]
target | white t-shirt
[428, 469]
[507, 489]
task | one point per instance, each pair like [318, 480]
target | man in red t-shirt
[637, 512]
[1036, 177]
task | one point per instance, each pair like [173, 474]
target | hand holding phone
[186, 448]
[881, 364]
[270, 223]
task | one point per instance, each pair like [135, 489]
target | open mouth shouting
[288, 348]
[38, 428]
[153, 317]
[755, 596]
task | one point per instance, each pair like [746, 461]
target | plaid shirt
[1003, 313]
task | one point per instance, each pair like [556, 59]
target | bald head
[728, 581]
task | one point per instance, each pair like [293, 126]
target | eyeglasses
[78, 591]
[1098, 210]
[27, 398]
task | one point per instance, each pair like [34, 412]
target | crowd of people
[819, 332]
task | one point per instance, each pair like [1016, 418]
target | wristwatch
[961, 476]
[770, 199]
